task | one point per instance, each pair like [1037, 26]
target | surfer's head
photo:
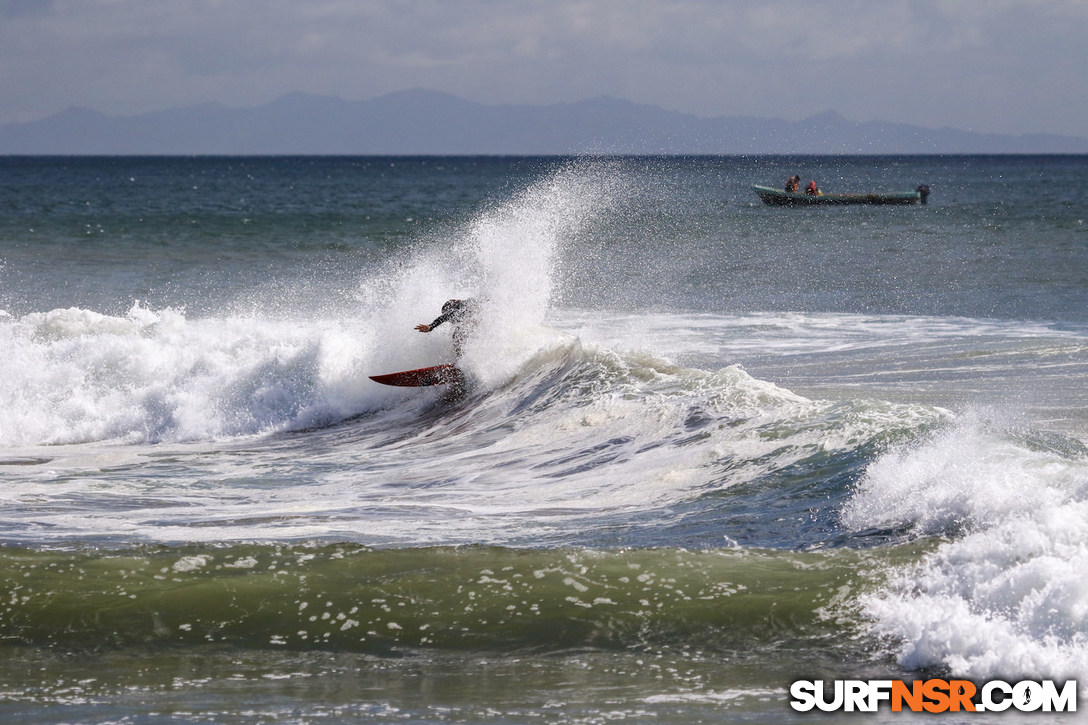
[451, 305]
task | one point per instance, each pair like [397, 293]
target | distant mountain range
[428, 122]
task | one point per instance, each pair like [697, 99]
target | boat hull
[777, 197]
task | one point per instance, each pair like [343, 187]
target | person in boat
[792, 183]
[812, 189]
[462, 315]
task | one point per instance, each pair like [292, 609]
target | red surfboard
[437, 375]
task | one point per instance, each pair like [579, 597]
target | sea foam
[74, 375]
[1006, 593]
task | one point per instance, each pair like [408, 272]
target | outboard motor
[923, 189]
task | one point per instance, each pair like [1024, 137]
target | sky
[995, 66]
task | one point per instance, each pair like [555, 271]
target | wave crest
[1004, 597]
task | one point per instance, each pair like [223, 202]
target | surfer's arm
[436, 323]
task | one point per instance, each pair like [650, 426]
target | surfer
[460, 313]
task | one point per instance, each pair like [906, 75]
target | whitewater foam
[1005, 595]
[579, 438]
[73, 376]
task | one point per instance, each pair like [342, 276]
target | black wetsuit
[454, 311]
[460, 313]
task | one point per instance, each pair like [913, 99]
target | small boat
[778, 197]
